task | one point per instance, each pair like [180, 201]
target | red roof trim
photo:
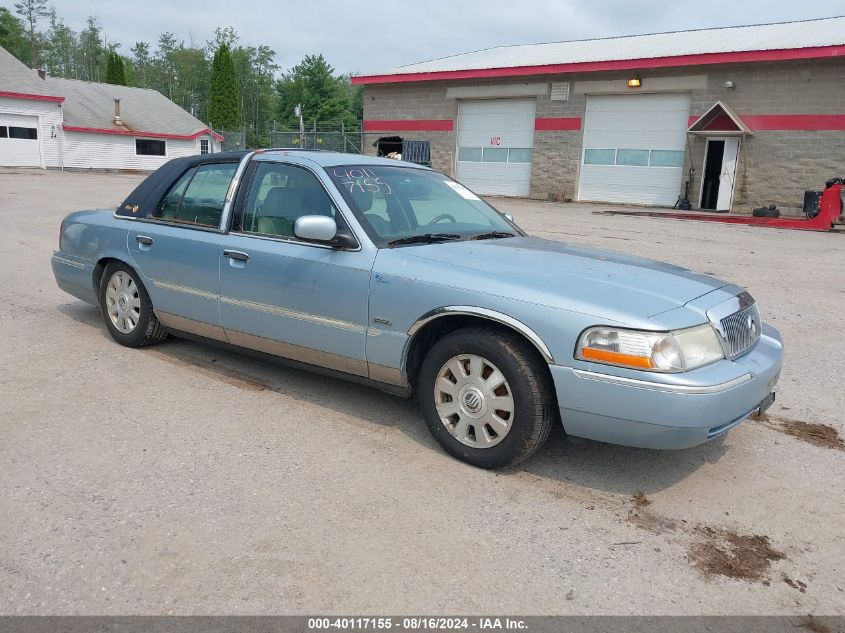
[558, 123]
[23, 95]
[811, 52]
[409, 125]
[179, 137]
[773, 122]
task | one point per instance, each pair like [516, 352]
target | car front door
[301, 300]
[177, 249]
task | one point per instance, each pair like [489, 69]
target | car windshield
[403, 205]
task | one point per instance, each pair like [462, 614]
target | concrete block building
[749, 116]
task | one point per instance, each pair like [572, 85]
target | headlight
[676, 351]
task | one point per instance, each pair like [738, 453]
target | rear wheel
[127, 309]
[485, 397]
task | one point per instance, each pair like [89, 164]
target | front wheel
[127, 309]
[486, 397]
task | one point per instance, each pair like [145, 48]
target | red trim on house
[558, 123]
[179, 137]
[409, 125]
[811, 52]
[23, 95]
[831, 122]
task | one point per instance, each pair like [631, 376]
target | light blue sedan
[395, 275]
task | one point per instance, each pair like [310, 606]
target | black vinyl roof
[144, 198]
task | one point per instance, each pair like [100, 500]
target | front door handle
[145, 240]
[238, 255]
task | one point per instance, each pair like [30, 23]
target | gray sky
[366, 36]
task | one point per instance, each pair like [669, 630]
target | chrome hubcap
[123, 303]
[474, 401]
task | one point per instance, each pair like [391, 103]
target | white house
[58, 123]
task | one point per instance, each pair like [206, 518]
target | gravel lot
[188, 480]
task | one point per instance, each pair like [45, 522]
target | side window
[198, 196]
[278, 195]
[169, 205]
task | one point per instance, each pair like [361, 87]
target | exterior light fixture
[635, 81]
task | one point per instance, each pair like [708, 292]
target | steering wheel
[443, 216]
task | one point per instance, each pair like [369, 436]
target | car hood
[562, 275]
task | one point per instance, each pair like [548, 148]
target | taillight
[61, 232]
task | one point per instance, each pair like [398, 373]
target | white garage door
[634, 148]
[19, 142]
[495, 144]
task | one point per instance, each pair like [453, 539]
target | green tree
[324, 97]
[223, 100]
[60, 50]
[12, 34]
[115, 71]
[91, 53]
[32, 11]
[255, 70]
[141, 61]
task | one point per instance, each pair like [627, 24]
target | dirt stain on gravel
[795, 584]
[812, 624]
[643, 518]
[721, 552]
[815, 434]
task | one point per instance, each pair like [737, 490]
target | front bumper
[661, 411]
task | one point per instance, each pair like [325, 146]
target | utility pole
[297, 111]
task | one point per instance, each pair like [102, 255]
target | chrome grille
[741, 330]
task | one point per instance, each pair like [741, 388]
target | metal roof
[91, 105]
[804, 34]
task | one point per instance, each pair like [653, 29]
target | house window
[4, 131]
[28, 133]
[149, 147]
[203, 146]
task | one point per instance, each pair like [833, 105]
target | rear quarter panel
[88, 237]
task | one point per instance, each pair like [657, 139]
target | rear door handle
[145, 240]
[238, 255]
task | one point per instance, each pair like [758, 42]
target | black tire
[534, 404]
[147, 330]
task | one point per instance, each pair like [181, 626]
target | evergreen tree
[60, 50]
[141, 61]
[115, 70]
[31, 11]
[91, 52]
[223, 99]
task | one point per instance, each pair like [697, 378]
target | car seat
[282, 205]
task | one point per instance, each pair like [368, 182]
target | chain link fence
[234, 140]
[331, 140]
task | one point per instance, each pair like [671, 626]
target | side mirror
[316, 228]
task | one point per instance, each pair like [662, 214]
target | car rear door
[177, 250]
[288, 297]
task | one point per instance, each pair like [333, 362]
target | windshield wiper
[425, 238]
[492, 235]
